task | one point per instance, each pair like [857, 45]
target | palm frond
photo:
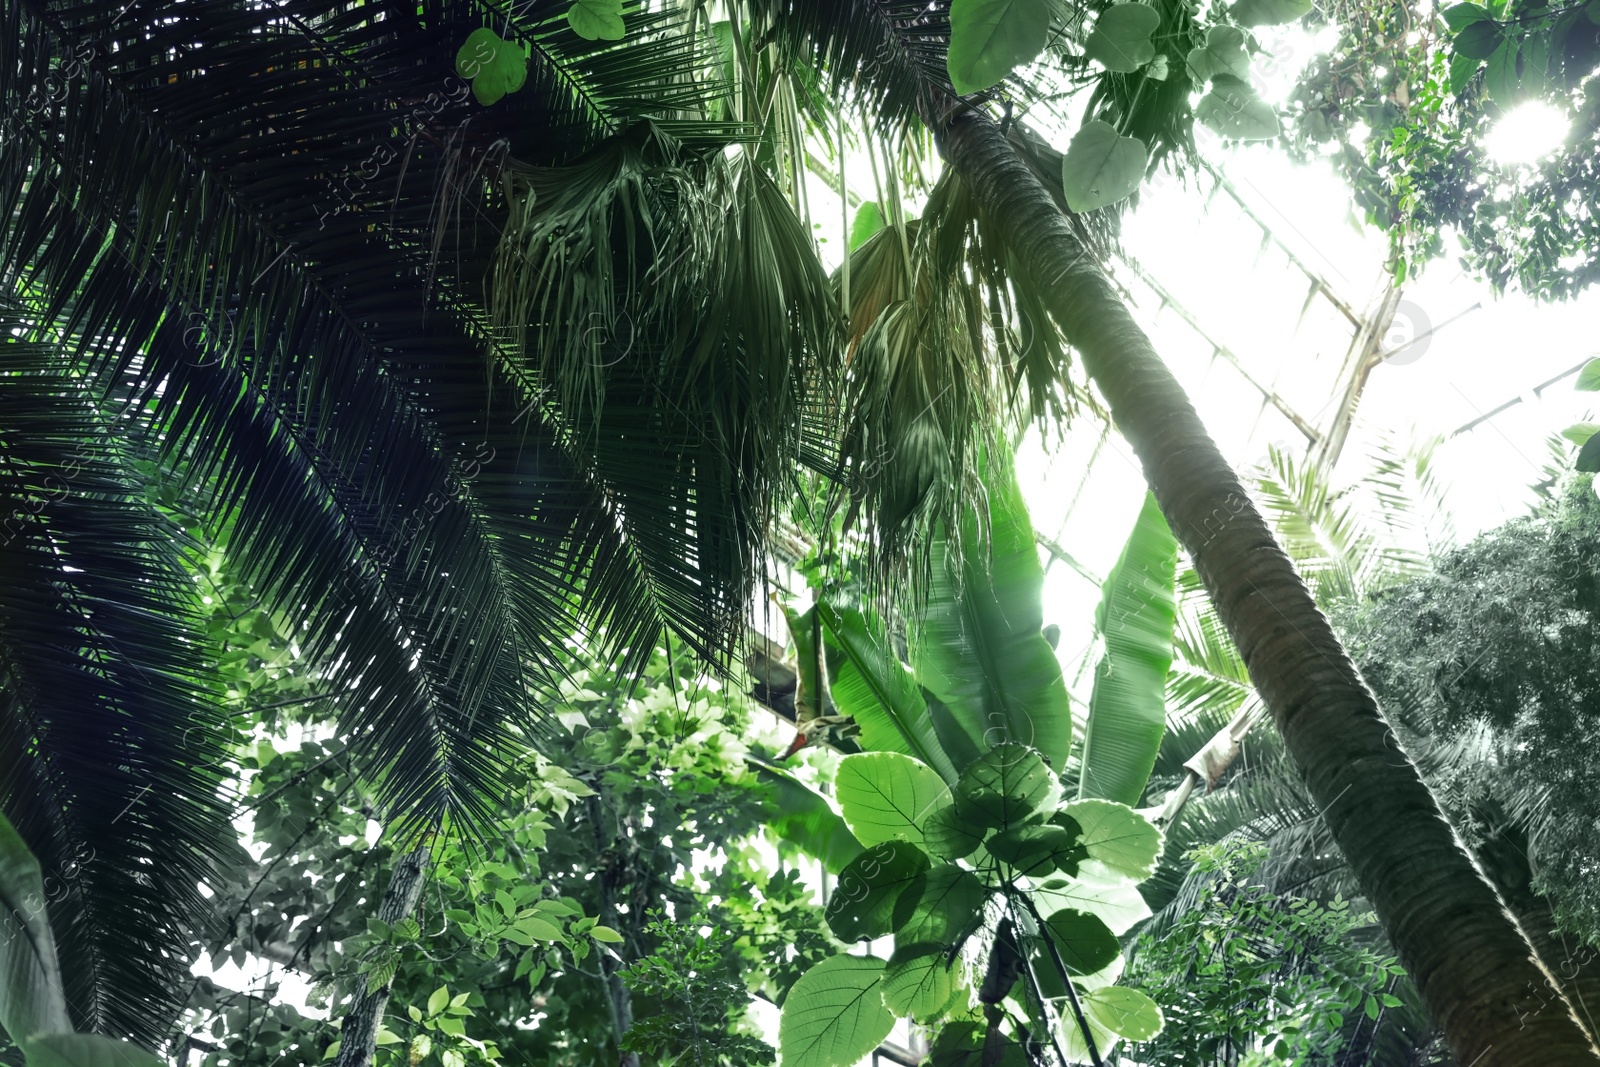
[112, 745]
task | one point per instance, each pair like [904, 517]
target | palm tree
[261, 231]
[1471, 963]
[1353, 544]
[243, 251]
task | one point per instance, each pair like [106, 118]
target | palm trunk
[1475, 969]
[358, 1037]
[1574, 964]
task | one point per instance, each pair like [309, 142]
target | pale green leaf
[1234, 110]
[918, 982]
[1222, 53]
[1119, 837]
[1128, 706]
[1121, 38]
[1268, 12]
[885, 796]
[834, 1016]
[31, 1000]
[86, 1050]
[1100, 167]
[1124, 1011]
[597, 20]
[990, 38]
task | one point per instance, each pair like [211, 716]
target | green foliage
[695, 1000]
[1430, 86]
[1501, 638]
[1245, 972]
[1100, 167]
[1127, 707]
[988, 38]
[33, 1009]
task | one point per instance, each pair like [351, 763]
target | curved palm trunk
[1473, 966]
[1574, 964]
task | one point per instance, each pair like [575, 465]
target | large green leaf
[1127, 709]
[1222, 53]
[1123, 1011]
[868, 221]
[949, 905]
[950, 835]
[919, 982]
[799, 814]
[1005, 787]
[1121, 38]
[1268, 12]
[1117, 836]
[1116, 901]
[979, 649]
[863, 903]
[990, 38]
[886, 796]
[834, 1015]
[869, 683]
[1233, 109]
[31, 998]
[1083, 940]
[1101, 167]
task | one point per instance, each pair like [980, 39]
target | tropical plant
[318, 374]
[33, 1004]
[967, 848]
[1247, 977]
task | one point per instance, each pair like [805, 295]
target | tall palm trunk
[1477, 972]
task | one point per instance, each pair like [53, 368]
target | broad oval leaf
[919, 982]
[1234, 110]
[478, 53]
[886, 796]
[1101, 167]
[948, 907]
[1121, 38]
[1268, 12]
[1117, 836]
[1006, 786]
[597, 20]
[1128, 705]
[1459, 16]
[863, 903]
[946, 833]
[1222, 53]
[991, 38]
[1115, 900]
[1085, 942]
[834, 1015]
[1126, 1012]
[1035, 851]
[1479, 40]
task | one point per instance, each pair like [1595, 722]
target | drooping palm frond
[111, 741]
[676, 308]
[254, 236]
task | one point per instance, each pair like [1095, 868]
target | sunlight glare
[1527, 132]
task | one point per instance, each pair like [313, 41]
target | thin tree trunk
[358, 1037]
[1473, 966]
